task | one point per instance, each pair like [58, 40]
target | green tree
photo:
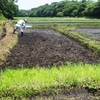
[89, 9]
[8, 8]
[59, 14]
[97, 9]
[81, 8]
[69, 8]
[73, 8]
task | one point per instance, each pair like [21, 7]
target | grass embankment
[8, 42]
[27, 83]
[92, 44]
[49, 22]
[32, 19]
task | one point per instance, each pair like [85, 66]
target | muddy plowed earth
[44, 47]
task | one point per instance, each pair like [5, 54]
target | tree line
[8, 8]
[64, 9]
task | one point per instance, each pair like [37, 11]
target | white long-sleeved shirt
[22, 23]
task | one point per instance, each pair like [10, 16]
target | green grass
[21, 83]
[49, 22]
[57, 19]
[1, 17]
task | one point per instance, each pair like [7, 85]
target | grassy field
[22, 83]
[57, 19]
[46, 22]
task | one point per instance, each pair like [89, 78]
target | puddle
[90, 33]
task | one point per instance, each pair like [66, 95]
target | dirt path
[45, 47]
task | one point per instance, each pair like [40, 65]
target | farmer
[20, 26]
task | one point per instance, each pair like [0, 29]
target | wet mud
[44, 47]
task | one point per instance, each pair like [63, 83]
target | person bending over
[20, 26]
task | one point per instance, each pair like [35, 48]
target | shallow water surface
[91, 33]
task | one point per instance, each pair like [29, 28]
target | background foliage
[64, 9]
[8, 8]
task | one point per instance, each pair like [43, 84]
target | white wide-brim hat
[25, 20]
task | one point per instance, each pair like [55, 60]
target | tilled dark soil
[44, 47]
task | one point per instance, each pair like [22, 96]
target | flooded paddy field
[90, 33]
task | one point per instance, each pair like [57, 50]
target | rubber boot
[21, 33]
[14, 31]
